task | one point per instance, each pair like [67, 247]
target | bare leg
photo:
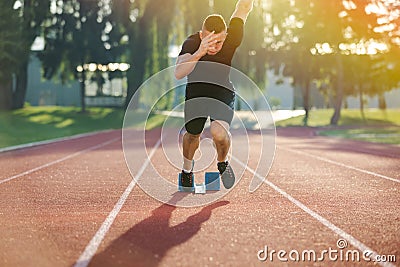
[222, 138]
[190, 144]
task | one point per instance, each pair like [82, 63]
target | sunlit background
[301, 53]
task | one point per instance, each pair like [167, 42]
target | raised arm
[243, 8]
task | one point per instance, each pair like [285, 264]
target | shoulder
[192, 39]
[235, 31]
[191, 44]
[236, 26]
[236, 22]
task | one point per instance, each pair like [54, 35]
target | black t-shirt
[213, 73]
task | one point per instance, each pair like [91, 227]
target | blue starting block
[184, 189]
[212, 183]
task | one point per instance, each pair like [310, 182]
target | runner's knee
[219, 134]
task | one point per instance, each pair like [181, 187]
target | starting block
[212, 183]
[200, 189]
[184, 189]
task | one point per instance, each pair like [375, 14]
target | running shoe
[187, 181]
[227, 175]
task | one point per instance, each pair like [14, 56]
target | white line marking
[93, 245]
[51, 141]
[59, 160]
[352, 240]
[343, 165]
[333, 139]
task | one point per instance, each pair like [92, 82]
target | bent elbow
[178, 75]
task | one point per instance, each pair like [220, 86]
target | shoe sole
[227, 180]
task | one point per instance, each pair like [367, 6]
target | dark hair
[215, 23]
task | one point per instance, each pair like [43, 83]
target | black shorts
[216, 106]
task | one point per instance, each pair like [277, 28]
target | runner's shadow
[147, 242]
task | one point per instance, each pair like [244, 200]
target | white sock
[226, 159]
[187, 165]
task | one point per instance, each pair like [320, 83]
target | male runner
[214, 43]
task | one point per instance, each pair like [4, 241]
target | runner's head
[217, 24]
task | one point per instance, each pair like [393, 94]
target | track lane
[15, 163]
[46, 215]
[48, 218]
[121, 247]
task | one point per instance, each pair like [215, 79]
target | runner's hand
[208, 43]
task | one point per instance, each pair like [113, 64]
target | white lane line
[52, 141]
[366, 151]
[59, 160]
[93, 245]
[343, 165]
[352, 240]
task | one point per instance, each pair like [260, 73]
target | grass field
[32, 124]
[322, 117]
[377, 126]
[388, 135]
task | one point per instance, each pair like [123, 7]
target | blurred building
[291, 98]
[279, 90]
[42, 92]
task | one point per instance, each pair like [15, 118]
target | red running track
[63, 204]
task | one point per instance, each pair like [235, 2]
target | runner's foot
[187, 181]
[227, 175]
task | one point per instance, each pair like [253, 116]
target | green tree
[293, 32]
[77, 34]
[147, 24]
[194, 12]
[308, 38]
[303, 64]
[387, 67]
[11, 51]
[32, 14]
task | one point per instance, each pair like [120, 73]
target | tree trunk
[135, 79]
[6, 95]
[306, 101]
[382, 102]
[83, 91]
[21, 86]
[361, 96]
[339, 91]
[138, 61]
